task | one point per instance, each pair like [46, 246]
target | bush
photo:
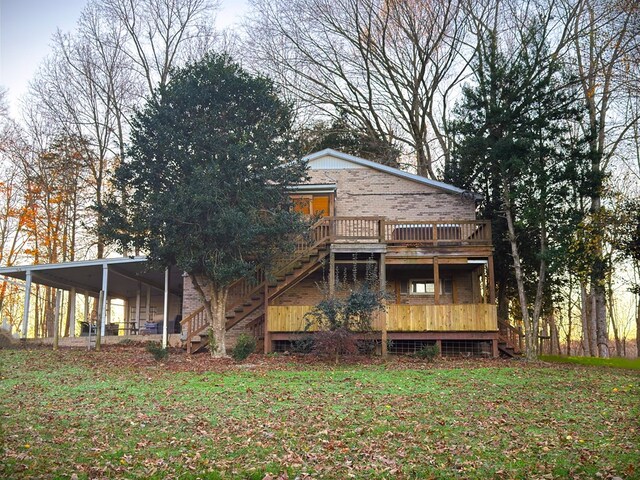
[304, 344]
[155, 349]
[428, 352]
[335, 343]
[245, 346]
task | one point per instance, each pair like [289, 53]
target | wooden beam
[332, 273]
[383, 313]
[436, 282]
[267, 334]
[492, 282]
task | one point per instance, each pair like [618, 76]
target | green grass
[616, 362]
[119, 414]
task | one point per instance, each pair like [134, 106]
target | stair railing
[513, 336]
[318, 235]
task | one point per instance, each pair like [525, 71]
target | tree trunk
[214, 300]
[529, 335]
[638, 325]
[600, 320]
[569, 316]
[218, 346]
[585, 314]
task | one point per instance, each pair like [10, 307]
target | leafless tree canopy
[390, 66]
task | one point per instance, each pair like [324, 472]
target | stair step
[238, 309]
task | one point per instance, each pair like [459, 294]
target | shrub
[335, 343]
[245, 346]
[155, 349]
[428, 352]
[304, 344]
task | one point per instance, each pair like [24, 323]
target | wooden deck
[408, 233]
[402, 318]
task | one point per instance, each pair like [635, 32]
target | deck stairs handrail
[247, 295]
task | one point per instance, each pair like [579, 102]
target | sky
[26, 28]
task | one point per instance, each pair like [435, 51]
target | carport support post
[72, 312]
[148, 307]
[56, 320]
[137, 320]
[105, 293]
[165, 313]
[27, 299]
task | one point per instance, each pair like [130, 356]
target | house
[433, 258]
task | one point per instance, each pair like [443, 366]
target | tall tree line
[529, 101]
[58, 162]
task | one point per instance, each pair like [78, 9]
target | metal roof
[125, 274]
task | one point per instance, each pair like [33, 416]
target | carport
[127, 278]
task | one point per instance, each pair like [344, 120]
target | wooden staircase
[510, 340]
[247, 297]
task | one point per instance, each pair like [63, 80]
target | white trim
[82, 263]
[393, 171]
[311, 188]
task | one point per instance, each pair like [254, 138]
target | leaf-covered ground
[119, 414]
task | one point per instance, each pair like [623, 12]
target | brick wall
[368, 192]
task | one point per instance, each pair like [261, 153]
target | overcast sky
[26, 27]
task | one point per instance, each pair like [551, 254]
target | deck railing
[401, 318]
[408, 232]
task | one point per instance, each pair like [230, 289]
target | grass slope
[119, 414]
[614, 362]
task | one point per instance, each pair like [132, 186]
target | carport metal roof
[125, 274]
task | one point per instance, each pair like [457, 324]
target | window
[425, 286]
[421, 287]
[312, 204]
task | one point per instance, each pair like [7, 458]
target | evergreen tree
[211, 159]
[512, 142]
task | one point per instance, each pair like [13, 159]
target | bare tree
[389, 66]
[161, 33]
[606, 38]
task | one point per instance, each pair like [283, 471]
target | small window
[425, 286]
[421, 287]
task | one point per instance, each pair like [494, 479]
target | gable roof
[361, 162]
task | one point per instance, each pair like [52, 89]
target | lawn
[120, 414]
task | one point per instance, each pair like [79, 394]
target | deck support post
[492, 282]
[332, 273]
[267, 334]
[27, 299]
[436, 281]
[165, 312]
[383, 312]
[494, 348]
[72, 313]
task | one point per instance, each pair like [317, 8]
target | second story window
[312, 204]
